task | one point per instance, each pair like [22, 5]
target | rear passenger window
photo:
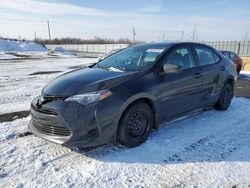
[205, 55]
[226, 54]
[182, 57]
[216, 57]
[233, 56]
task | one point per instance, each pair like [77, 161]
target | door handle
[197, 75]
[222, 68]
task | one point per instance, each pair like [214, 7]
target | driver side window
[182, 57]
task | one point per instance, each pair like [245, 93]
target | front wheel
[136, 125]
[225, 97]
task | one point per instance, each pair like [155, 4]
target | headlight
[92, 97]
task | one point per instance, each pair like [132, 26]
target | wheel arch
[142, 97]
[231, 81]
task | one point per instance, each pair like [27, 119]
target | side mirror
[170, 68]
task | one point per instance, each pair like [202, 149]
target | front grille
[54, 98]
[46, 120]
[51, 130]
[44, 111]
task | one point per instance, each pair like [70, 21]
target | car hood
[85, 80]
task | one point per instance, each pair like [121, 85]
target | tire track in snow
[215, 147]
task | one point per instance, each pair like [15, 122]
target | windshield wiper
[94, 65]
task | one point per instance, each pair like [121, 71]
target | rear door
[180, 92]
[211, 70]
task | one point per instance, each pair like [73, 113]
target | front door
[180, 92]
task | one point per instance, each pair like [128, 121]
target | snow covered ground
[21, 81]
[210, 149]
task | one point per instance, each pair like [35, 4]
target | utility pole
[194, 32]
[49, 30]
[163, 37]
[246, 36]
[134, 33]
[182, 36]
[35, 35]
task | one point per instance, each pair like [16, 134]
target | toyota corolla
[125, 96]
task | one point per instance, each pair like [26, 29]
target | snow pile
[20, 46]
[60, 51]
[244, 75]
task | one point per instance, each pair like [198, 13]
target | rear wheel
[136, 125]
[238, 69]
[225, 97]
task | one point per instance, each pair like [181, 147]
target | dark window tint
[181, 57]
[226, 54]
[216, 57]
[205, 55]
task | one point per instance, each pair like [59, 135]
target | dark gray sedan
[125, 96]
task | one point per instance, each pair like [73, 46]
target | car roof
[226, 51]
[168, 44]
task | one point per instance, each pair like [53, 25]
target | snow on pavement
[18, 86]
[211, 149]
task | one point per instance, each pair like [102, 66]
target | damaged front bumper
[70, 123]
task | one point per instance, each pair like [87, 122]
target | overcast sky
[214, 19]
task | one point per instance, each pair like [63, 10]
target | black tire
[135, 125]
[238, 69]
[225, 97]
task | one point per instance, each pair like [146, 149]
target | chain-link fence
[241, 48]
[89, 48]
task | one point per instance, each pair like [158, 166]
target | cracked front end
[69, 123]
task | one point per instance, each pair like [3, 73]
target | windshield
[130, 59]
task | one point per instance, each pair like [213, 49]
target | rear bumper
[67, 123]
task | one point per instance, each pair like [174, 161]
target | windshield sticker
[155, 50]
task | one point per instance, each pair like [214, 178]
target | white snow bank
[20, 46]
[60, 51]
[245, 72]
[244, 75]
